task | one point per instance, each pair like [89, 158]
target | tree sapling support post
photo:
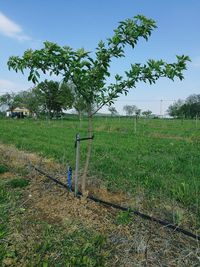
[77, 146]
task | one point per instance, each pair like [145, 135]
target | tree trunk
[89, 148]
[50, 115]
[80, 119]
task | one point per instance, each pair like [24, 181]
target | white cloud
[11, 29]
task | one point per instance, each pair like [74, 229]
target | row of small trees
[189, 108]
[131, 110]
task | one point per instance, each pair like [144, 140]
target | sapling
[88, 72]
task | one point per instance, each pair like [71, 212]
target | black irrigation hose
[147, 217]
[50, 177]
[142, 215]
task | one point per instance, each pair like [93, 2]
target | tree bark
[80, 119]
[89, 149]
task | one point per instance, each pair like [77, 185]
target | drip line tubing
[142, 215]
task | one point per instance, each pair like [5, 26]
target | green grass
[8, 204]
[162, 158]
[77, 249]
[124, 217]
[3, 168]
[17, 182]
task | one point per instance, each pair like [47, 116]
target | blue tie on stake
[69, 178]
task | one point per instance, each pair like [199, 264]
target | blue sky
[82, 23]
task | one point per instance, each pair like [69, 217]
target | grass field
[157, 167]
[161, 159]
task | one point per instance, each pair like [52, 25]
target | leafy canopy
[10, 100]
[130, 109]
[112, 110]
[53, 97]
[147, 113]
[89, 74]
[190, 108]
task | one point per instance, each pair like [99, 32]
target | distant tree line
[132, 110]
[49, 98]
[189, 108]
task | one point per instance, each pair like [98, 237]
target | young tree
[138, 113]
[89, 74]
[147, 113]
[130, 110]
[112, 111]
